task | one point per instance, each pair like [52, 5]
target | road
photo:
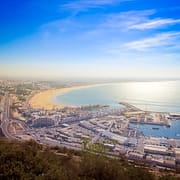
[5, 122]
[5, 118]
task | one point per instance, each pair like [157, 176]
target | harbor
[153, 124]
[139, 116]
[148, 136]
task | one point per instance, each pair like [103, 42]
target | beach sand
[44, 99]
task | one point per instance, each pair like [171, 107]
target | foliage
[29, 160]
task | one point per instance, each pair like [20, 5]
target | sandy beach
[44, 99]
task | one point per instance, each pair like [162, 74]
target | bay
[163, 96]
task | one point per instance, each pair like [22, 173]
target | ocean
[162, 96]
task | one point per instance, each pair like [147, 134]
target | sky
[90, 39]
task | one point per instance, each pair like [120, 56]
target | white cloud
[127, 19]
[166, 40]
[81, 5]
[137, 20]
[155, 23]
[116, 24]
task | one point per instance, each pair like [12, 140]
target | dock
[136, 115]
[130, 107]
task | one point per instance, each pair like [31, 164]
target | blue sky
[90, 38]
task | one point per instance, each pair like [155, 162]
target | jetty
[130, 107]
[139, 116]
[175, 116]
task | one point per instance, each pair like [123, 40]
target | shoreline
[43, 100]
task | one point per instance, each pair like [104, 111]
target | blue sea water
[153, 96]
[163, 96]
[163, 131]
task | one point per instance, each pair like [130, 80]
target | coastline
[43, 100]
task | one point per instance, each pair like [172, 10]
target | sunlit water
[161, 96]
[170, 132]
[154, 96]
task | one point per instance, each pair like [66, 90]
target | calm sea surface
[156, 96]
[163, 96]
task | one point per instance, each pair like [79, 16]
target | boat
[155, 128]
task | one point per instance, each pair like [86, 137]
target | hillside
[29, 160]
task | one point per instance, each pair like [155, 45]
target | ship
[155, 128]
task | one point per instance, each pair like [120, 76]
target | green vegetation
[99, 148]
[85, 142]
[29, 160]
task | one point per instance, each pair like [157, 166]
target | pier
[130, 107]
[136, 115]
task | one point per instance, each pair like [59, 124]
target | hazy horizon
[86, 39]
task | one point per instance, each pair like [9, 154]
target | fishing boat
[155, 128]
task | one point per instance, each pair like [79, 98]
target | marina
[159, 130]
